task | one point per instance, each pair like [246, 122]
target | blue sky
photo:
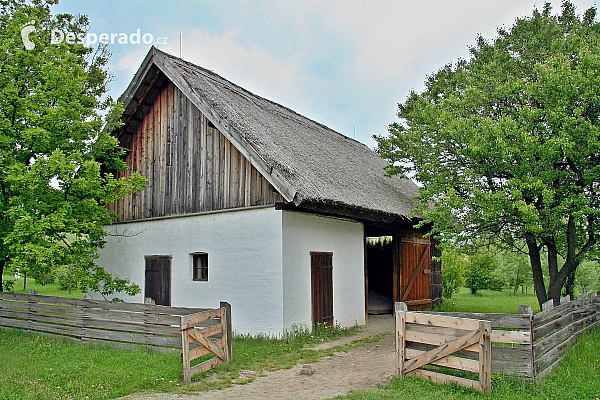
[345, 64]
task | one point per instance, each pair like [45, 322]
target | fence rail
[124, 325]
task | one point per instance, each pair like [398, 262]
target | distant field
[489, 301]
[45, 290]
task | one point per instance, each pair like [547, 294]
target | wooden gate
[196, 333]
[322, 287]
[427, 339]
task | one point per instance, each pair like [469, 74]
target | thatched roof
[306, 161]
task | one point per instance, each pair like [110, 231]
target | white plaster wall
[303, 233]
[244, 257]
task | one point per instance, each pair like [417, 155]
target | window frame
[203, 276]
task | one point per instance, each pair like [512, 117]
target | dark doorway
[158, 279]
[321, 266]
[379, 266]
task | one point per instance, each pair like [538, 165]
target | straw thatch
[318, 165]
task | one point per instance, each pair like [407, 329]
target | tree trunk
[517, 280]
[536, 268]
[570, 285]
[2, 262]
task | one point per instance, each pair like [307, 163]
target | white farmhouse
[251, 203]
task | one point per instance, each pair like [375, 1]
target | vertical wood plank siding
[190, 166]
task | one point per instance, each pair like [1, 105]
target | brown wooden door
[158, 279]
[415, 271]
[321, 265]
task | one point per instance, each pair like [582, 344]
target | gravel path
[360, 368]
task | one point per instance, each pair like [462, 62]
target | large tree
[55, 148]
[507, 146]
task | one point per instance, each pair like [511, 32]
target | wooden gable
[190, 165]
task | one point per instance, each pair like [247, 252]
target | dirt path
[360, 368]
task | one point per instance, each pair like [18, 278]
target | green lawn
[489, 301]
[45, 290]
[41, 367]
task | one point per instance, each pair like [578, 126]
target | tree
[453, 269]
[55, 148]
[514, 270]
[507, 146]
[479, 273]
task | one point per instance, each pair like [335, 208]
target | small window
[200, 267]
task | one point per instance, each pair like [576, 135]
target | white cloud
[387, 48]
[132, 60]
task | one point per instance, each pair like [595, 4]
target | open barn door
[413, 270]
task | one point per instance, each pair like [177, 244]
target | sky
[345, 64]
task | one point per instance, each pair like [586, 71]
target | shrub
[453, 268]
[8, 285]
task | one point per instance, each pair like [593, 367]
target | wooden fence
[556, 328]
[424, 339]
[124, 325]
[527, 345]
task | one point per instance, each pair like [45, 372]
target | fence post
[565, 300]
[485, 356]
[400, 316]
[30, 303]
[526, 309]
[548, 305]
[227, 330]
[185, 350]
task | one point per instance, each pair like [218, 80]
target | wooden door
[158, 279]
[321, 266]
[415, 271]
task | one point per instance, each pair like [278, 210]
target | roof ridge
[246, 91]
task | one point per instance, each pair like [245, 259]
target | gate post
[485, 356]
[227, 331]
[400, 317]
[185, 350]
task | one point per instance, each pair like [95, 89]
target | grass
[51, 289]
[576, 378]
[489, 301]
[40, 367]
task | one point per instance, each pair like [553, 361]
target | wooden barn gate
[423, 339]
[193, 332]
